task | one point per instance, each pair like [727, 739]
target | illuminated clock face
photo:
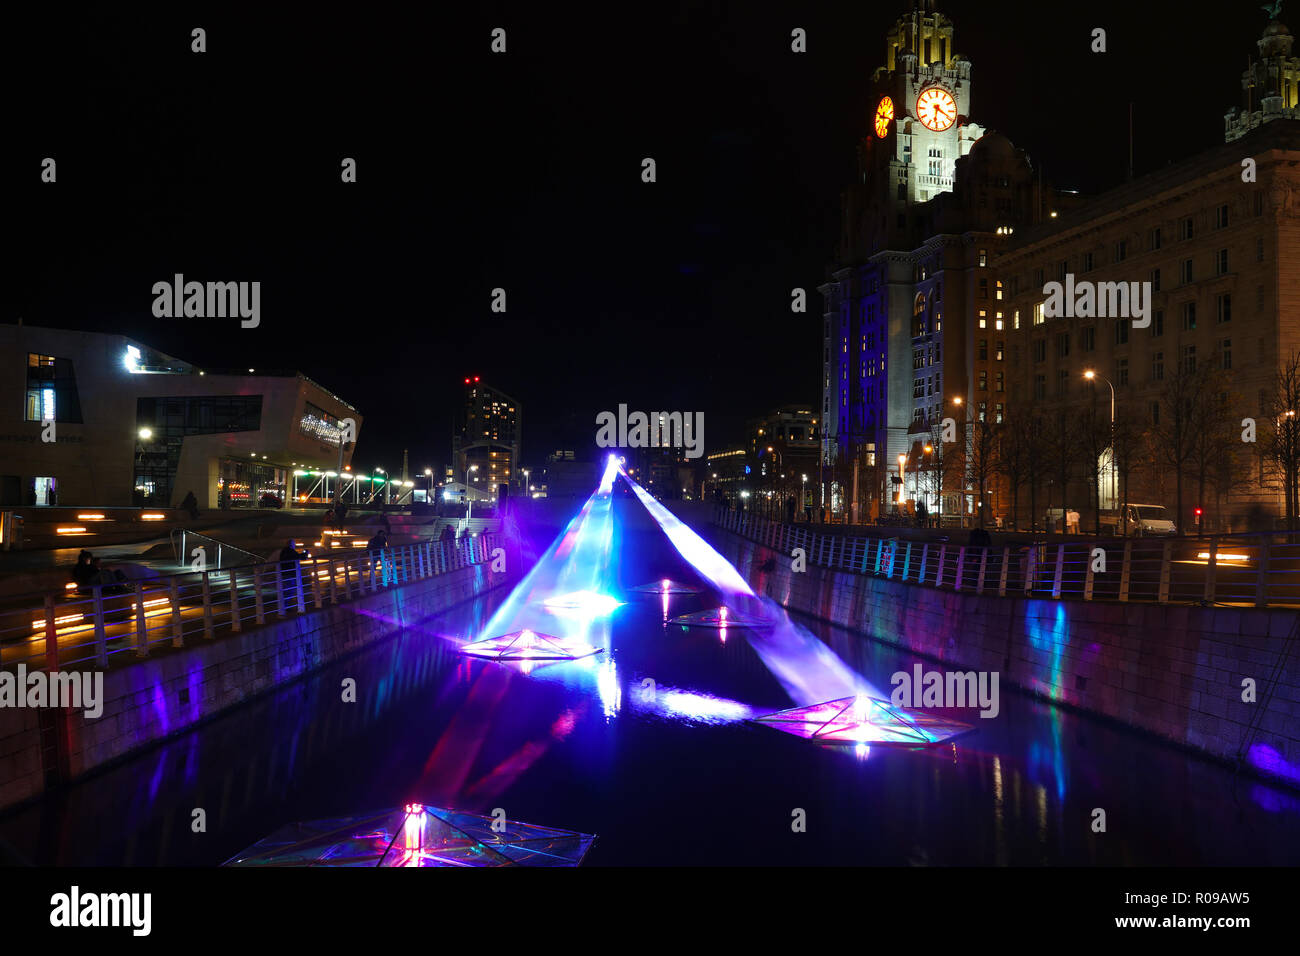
[936, 108]
[884, 117]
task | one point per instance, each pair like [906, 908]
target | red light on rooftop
[476, 378]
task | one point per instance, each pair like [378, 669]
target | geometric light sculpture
[530, 646]
[416, 835]
[864, 720]
[588, 602]
[667, 586]
[717, 617]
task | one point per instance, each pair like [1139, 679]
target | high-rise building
[486, 442]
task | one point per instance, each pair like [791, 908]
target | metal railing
[216, 554]
[1239, 570]
[93, 626]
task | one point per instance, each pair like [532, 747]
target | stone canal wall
[154, 698]
[1176, 671]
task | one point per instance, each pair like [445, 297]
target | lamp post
[929, 449]
[469, 502]
[1114, 477]
[902, 489]
[803, 496]
[965, 460]
[526, 487]
[373, 493]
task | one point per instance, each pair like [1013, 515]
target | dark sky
[523, 171]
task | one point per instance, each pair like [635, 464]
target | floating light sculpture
[864, 720]
[417, 835]
[530, 646]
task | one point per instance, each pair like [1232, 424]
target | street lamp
[902, 459]
[929, 449]
[469, 502]
[380, 471]
[1090, 374]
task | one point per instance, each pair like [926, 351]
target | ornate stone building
[913, 301]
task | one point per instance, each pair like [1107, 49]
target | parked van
[1139, 520]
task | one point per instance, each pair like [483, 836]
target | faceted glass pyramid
[666, 586]
[864, 720]
[416, 835]
[529, 645]
[717, 617]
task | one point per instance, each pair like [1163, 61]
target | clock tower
[920, 126]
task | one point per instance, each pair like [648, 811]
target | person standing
[289, 572]
[380, 543]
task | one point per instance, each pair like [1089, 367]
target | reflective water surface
[648, 745]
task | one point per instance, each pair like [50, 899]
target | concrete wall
[155, 698]
[1175, 671]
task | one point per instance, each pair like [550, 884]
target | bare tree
[1014, 451]
[1281, 438]
[1034, 430]
[1129, 446]
[1092, 431]
[982, 451]
[1212, 436]
[1174, 436]
[1063, 453]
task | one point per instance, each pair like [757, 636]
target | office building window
[1223, 306]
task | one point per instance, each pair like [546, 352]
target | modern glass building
[105, 420]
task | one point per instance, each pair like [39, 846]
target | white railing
[92, 626]
[1240, 570]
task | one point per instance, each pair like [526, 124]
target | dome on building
[993, 147]
[1276, 29]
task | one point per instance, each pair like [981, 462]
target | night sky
[523, 171]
